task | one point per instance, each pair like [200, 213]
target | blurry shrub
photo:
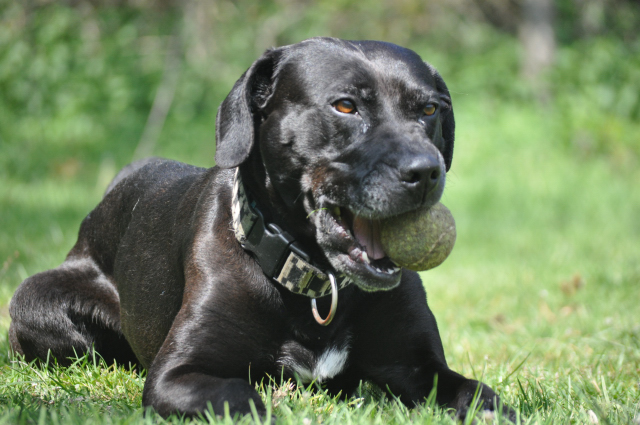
[596, 83]
[71, 79]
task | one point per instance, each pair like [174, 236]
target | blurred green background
[545, 183]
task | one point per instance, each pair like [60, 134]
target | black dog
[205, 276]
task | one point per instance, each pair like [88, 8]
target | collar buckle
[270, 244]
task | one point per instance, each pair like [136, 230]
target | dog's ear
[446, 116]
[236, 119]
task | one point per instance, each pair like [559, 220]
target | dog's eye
[430, 109]
[345, 106]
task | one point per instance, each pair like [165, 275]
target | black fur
[158, 279]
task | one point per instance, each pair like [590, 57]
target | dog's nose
[420, 174]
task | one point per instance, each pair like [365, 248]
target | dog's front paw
[193, 394]
[239, 396]
[475, 397]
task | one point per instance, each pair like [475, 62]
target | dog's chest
[308, 365]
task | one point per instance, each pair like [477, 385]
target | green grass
[539, 298]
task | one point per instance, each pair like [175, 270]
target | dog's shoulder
[148, 198]
[149, 172]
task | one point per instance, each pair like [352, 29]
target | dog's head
[347, 133]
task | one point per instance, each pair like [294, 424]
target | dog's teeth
[396, 269]
[378, 270]
[365, 257]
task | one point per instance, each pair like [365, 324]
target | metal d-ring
[334, 303]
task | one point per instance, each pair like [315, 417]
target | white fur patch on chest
[329, 364]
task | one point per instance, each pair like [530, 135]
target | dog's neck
[277, 252]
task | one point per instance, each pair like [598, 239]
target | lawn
[539, 298]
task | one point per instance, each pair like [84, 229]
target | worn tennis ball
[420, 239]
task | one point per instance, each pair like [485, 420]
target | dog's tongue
[367, 233]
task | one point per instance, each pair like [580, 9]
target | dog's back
[129, 169]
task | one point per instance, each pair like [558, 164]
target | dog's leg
[214, 348]
[188, 387]
[69, 310]
[399, 348]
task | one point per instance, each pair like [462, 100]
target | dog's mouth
[356, 250]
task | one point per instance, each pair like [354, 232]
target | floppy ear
[236, 117]
[447, 119]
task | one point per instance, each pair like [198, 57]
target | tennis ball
[420, 239]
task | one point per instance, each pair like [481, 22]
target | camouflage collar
[276, 251]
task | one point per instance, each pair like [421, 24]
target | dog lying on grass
[202, 275]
